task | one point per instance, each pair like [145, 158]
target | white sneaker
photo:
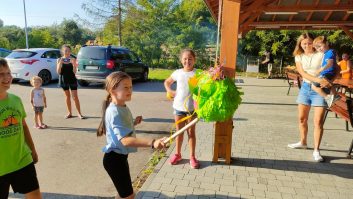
[329, 100]
[297, 145]
[317, 157]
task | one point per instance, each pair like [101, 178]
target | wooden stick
[181, 130]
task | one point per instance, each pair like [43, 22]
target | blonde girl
[118, 126]
[38, 101]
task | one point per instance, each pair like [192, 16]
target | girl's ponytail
[101, 128]
[112, 82]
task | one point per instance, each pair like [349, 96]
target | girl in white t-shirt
[38, 101]
[183, 105]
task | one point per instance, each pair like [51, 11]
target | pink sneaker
[175, 159]
[194, 163]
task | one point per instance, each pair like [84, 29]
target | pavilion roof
[291, 14]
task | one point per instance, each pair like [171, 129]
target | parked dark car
[4, 52]
[95, 63]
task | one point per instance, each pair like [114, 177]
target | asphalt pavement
[70, 156]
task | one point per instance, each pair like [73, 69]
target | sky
[39, 12]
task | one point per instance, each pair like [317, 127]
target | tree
[1, 23]
[4, 43]
[41, 38]
[103, 11]
[69, 33]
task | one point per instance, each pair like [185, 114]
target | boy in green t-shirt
[17, 152]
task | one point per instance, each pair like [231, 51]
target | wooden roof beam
[292, 16]
[302, 23]
[296, 28]
[249, 10]
[274, 16]
[345, 17]
[308, 8]
[347, 31]
[328, 15]
[209, 6]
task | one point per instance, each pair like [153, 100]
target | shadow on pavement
[327, 167]
[240, 119]
[158, 120]
[152, 132]
[271, 104]
[154, 194]
[61, 128]
[249, 85]
[59, 196]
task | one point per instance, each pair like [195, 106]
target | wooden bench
[343, 108]
[293, 79]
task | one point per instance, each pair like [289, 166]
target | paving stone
[257, 186]
[180, 182]
[167, 187]
[183, 189]
[209, 186]
[286, 190]
[263, 166]
[271, 194]
[229, 189]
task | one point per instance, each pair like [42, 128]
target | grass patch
[162, 74]
[148, 169]
[249, 74]
[159, 74]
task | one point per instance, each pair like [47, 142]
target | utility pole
[24, 9]
[119, 27]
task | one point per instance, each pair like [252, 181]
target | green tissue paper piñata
[216, 96]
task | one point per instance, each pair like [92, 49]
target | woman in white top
[307, 61]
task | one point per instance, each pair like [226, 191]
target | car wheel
[144, 76]
[46, 76]
[83, 83]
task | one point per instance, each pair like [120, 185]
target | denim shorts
[182, 113]
[309, 97]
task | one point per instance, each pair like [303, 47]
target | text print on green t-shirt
[14, 151]
[9, 122]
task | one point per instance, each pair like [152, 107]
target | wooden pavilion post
[228, 52]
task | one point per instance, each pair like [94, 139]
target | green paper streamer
[216, 100]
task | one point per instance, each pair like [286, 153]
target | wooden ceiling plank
[248, 11]
[309, 16]
[292, 16]
[347, 31]
[309, 8]
[211, 9]
[302, 23]
[274, 16]
[345, 17]
[328, 15]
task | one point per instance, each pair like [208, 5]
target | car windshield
[92, 53]
[21, 54]
[4, 53]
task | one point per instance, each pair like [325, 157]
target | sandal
[194, 163]
[81, 117]
[175, 159]
[68, 116]
[43, 126]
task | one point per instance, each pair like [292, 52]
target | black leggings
[117, 167]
